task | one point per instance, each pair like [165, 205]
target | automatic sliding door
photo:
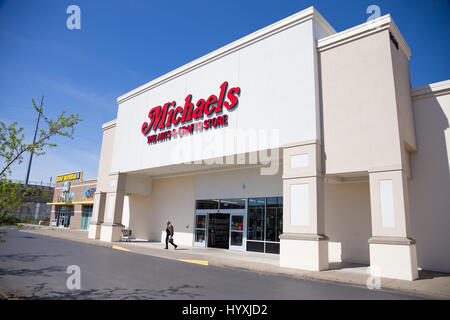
[218, 230]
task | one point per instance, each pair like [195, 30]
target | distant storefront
[73, 201]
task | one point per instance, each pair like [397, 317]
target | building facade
[295, 140]
[73, 201]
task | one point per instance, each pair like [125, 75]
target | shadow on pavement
[45, 272]
[424, 274]
[41, 292]
[27, 257]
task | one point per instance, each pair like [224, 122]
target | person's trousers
[169, 240]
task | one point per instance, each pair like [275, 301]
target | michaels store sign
[171, 115]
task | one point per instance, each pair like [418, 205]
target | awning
[59, 203]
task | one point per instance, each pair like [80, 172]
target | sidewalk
[432, 285]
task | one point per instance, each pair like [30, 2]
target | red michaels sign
[170, 115]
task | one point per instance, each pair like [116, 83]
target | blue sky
[124, 44]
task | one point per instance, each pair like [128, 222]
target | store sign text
[71, 176]
[168, 115]
[89, 192]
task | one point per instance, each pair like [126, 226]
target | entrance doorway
[221, 224]
[62, 215]
[86, 216]
[218, 230]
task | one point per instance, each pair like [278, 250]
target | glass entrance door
[200, 230]
[237, 231]
[219, 230]
[86, 216]
[63, 214]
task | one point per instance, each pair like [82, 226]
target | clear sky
[124, 44]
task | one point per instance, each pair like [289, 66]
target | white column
[392, 252]
[111, 227]
[303, 244]
[98, 212]
[36, 210]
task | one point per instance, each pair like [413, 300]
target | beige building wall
[429, 188]
[171, 199]
[140, 216]
[239, 183]
[368, 131]
[104, 182]
[104, 166]
[347, 221]
[402, 86]
[360, 121]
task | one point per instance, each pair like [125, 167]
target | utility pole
[34, 141]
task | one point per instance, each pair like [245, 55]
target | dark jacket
[170, 228]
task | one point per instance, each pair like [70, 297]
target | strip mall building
[73, 201]
[295, 140]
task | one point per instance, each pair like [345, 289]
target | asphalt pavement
[35, 267]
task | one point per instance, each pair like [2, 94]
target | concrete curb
[341, 278]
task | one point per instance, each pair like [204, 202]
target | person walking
[169, 235]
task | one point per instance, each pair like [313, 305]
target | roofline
[363, 30]
[432, 89]
[297, 18]
[109, 125]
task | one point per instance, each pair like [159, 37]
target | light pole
[34, 141]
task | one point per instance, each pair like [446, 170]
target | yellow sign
[70, 176]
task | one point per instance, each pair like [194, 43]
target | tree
[13, 148]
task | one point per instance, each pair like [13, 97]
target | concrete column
[111, 227]
[392, 252]
[303, 244]
[98, 212]
[36, 211]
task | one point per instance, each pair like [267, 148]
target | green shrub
[8, 220]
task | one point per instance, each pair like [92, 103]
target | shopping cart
[126, 234]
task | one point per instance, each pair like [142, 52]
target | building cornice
[433, 89]
[301, 143]
[109, 125]
[363, 30]
[297, 18]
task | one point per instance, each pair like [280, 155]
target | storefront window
[236, 238]
[200, 236]
[200, 228]
[207, 204]
[200, 222]
[255, 218]
[274, 218]
[232, 204]
[265, 224]
[237, 223]
[86, 216]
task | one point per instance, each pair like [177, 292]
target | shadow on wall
[347, 222]
[429, 188]
[140, 217]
